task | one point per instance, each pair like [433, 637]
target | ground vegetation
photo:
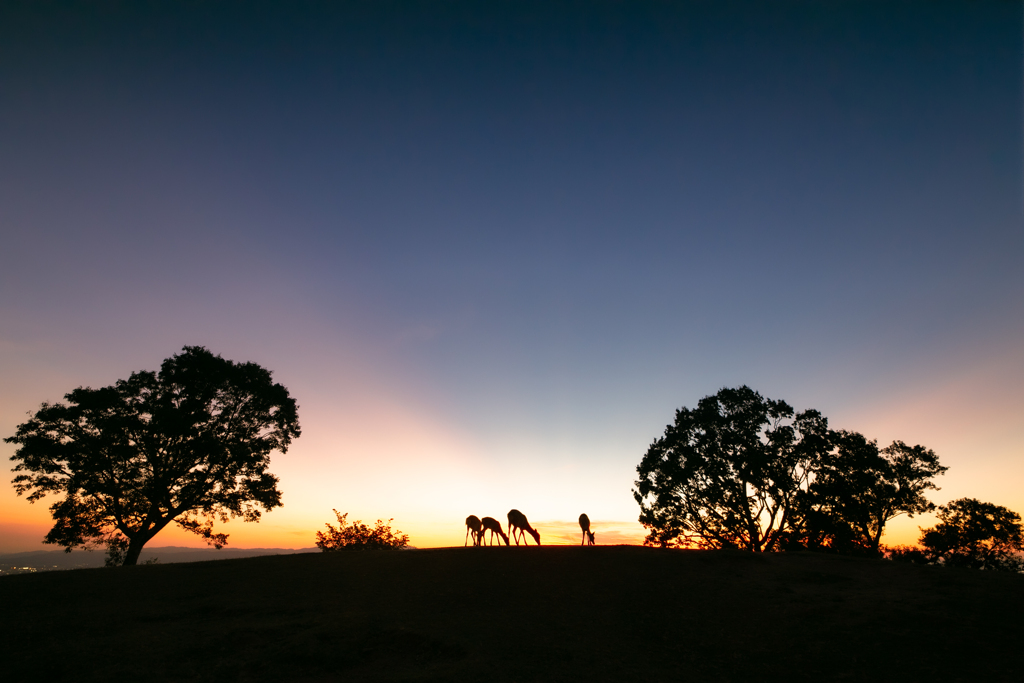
[358, 536]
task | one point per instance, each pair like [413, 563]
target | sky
[490, 248]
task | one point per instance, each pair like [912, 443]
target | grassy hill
[515, 614]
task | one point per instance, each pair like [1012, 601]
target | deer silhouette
[473, 526]
[588, 537]
[494, 526]
[518, 526]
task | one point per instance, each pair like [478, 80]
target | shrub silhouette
[906, 553]
[358, 536]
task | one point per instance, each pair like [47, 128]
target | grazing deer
[518, 527]
[474, 527]
[588, 537]
[494, 526]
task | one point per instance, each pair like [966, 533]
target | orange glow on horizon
[373, 454]
[27, 534]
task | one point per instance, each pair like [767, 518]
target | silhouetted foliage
[748, 472]
[189, 445]
[906, 553]
[977, 535]
[727, 473]
[117, 550]
[856, 488]
[358, 536]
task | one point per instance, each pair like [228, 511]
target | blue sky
[491, 248]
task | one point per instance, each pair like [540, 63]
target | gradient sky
[491, 247]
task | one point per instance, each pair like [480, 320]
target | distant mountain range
[49, 560]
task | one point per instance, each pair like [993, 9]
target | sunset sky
[490, 248]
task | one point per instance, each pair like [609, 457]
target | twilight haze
[491, 247]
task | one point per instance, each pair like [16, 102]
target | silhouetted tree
[856, 488]
[358, 536]
[977, 535]
[726, 474]
[189, 445]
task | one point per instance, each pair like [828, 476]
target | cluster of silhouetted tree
[743, 471]
[191, 445]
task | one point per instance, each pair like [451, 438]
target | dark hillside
[515, 614]
[50, 560]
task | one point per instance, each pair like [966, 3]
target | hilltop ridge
[510, 614]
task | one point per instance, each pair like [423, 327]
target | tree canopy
[358, 536]
[744, 471]
[190, 444]
[725, 474]
[856, 488]
[977, 535]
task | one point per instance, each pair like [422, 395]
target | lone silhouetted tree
[189, 444]
[856, 488]
[726, 474]
[977, 535]
[358, 536]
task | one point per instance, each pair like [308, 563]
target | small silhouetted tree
[977, 535]
[189, 444]
[358, 536]
[856, 488]
[726, 474]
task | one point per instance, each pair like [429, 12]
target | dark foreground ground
[58, 560]
[515, 614]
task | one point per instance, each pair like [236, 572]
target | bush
[906, 553]
[358, 536]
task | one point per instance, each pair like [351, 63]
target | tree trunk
[134, 551]
[876, 541]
